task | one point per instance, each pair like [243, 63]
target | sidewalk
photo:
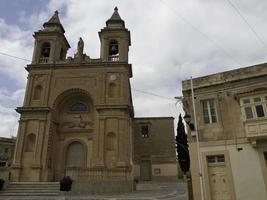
[145, 191]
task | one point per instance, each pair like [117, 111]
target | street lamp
[187, 119]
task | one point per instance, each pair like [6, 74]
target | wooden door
[145, 170]
[219, 183]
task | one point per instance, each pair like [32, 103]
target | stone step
[33, 183]
[29, 194]
[31, 189]
[18, 190]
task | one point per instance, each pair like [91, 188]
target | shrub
[65, 183]
[2, 182]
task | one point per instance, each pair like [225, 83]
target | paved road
[145, 191]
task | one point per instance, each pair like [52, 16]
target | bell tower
[115, 39]
[50, 43]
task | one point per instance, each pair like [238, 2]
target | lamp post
[200, 166]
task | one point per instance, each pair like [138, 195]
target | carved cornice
[250, 92]
[108, 107]
[32, 109]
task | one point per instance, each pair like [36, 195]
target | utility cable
[140, 91]
[248, 24]
[202, 33]
[153, 94]
[5, 54]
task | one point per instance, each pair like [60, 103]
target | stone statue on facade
[79, 55]
[80, 46]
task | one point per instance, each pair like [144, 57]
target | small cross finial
[56, 12]
[116, 9]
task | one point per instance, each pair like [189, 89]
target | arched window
[30, 142]
[37, 92]
[111, 141]
[62, 54]
[113, 50]
[75, 155]
[45, 52]
[78, 107]
[112, 90]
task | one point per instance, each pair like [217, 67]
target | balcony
[43, 60]
[256, 129]
[113, 58]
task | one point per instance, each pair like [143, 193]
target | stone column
[39, 144]
[16, 165]
[100, 142]
[122, 147]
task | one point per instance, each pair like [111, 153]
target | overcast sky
[171, 41]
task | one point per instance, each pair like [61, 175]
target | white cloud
[17, 43]
[165, 49]
[9, 117]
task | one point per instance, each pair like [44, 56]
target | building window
[265, 157]
[209, 111]
[62, 54]
[78, 107]
[216, 159]
[45, 52]
[3, 164]
[254, 107]
[248, 112]
[6, 150]
[113, 50]
[144, 131]
[157, 171]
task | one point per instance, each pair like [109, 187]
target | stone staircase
[31, 189]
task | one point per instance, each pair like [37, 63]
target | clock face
[113, 77]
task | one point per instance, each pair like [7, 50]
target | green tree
[182, 146]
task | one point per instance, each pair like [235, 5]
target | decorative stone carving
[77, 122]
[80, 46]
[39, 79]
[80, 55]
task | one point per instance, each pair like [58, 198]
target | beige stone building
[154, 149]
[77, 116]
[231, 110]
[7, 146]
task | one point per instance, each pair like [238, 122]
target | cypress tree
[182, 146]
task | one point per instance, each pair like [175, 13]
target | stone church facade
[77, 115]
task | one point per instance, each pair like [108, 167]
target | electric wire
[137, 90]
[6, 54]
[202, 33]
[248, 24]
[153, 94]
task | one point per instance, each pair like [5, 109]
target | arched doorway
[75, 155]
[73, 120]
